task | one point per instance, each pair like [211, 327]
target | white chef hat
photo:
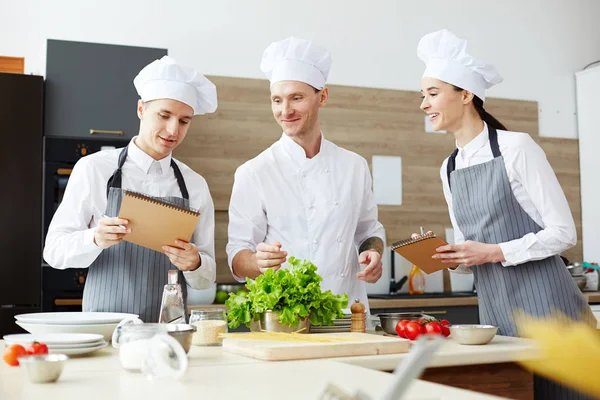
[295, 59]
[446, 58]
[165, 79]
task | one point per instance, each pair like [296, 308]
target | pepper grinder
[171, 308]
[358, 317]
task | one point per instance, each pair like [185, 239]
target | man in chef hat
[304, 196]
[125, 277]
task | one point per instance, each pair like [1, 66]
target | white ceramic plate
[106, 330]
[55, 339]
[74, 318]
[78, 351]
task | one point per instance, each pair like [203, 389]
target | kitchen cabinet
[89, 88]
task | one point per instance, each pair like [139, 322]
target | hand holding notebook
[155, 223]
[418, 250]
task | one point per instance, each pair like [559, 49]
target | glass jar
[149, 348]
[209, 323]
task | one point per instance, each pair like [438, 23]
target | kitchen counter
[213, 373]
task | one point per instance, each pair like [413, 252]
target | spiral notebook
[154, 222]
[419, 251]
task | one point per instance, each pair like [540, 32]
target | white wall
[537, 45]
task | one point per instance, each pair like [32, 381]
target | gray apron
[487, 211]
[126, 277]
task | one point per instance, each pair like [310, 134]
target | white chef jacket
[70, 238]
[535, 187]
[320, 209]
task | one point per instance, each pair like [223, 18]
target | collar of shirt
[144, 161]
[467, 152]
[296, 152]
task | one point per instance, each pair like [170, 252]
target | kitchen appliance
[62, 290]
[21, 113]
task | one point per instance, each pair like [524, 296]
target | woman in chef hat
[510, 216]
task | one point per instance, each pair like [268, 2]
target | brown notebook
[419, 251]
[155, 223]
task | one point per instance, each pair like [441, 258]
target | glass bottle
[209, 323]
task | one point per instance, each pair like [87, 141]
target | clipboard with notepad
[419, 251]
[155, 223]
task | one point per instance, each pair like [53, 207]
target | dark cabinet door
[89, 88]
[21, 113]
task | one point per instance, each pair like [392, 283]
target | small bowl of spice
[209, 323]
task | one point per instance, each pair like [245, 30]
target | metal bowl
[270, 323]
[473, 334]
[390, 320]
[581, 281]
[43, 369]
[575, 269]
[183, 333]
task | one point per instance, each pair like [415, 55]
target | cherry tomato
[12, 353]
[36, 348]
[445, 331]
[412, 330]
[433, 328]
[400, 327]
[444, 322]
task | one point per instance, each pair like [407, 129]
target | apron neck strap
[116, 178]
[493, 138]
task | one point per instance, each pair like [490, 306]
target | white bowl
[201, 296]
[106, 330]
[473, 334]
[74, 318]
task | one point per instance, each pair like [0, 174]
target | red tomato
[36, 349]
[445, 331]
[412, 330]
[444, 322]
[400, 327]
[433, 328]
[12, 353]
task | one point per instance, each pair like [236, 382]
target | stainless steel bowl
[270, 323]
[43, 369]
[473, 334]
[581, 281]
[575, 269]
[390, 320]
[183, 333]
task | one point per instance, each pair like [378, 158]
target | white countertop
[213, 373]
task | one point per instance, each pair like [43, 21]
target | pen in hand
[106, 216]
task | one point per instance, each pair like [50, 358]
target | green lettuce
[293, 293]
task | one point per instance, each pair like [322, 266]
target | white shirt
[535, 188]
[320, 209]
[70, 239]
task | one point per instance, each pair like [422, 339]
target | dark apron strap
[116, 178]
[493, 137]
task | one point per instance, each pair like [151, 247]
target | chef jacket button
[315, 241]
[326, 170]
[335, 203]
[339, 240]
[303, 175]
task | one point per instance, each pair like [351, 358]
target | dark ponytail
[484, 115]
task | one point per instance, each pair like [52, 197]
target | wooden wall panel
[12, 65]
[369, 122]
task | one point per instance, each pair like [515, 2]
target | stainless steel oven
[62, 290]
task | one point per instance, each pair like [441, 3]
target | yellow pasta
[293, 337]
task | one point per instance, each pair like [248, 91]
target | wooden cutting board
[364, 345]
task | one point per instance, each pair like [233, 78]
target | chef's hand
[374, 269]
[269, 255]
[110, 231]
[185, 256]
[469, 253]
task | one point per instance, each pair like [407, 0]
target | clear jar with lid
[209, 323]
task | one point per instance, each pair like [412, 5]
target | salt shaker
[358, 317]
[171, 308]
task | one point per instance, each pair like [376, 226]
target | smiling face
[444, 104]
[163, 126]
[296, 106]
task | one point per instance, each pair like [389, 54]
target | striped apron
[126, 277]
[487, 211]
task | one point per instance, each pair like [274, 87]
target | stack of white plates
[101, 323]
[337, 325]
[70, 344]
